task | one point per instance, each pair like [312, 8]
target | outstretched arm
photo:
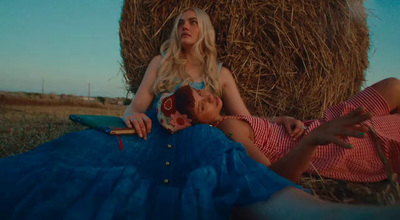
[240, 131]
[293, 164]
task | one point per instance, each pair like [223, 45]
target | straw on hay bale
[288, 57]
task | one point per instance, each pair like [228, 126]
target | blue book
[109, 124]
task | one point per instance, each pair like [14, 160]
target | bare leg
[390, 90]
[292, 203]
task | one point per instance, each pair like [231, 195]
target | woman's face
[207, 106]
[188, 28]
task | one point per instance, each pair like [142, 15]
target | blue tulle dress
[196, 173]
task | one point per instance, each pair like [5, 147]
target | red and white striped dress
[360, 164]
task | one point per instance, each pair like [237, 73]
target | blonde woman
[188, 57]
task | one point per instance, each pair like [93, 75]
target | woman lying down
[341, 145]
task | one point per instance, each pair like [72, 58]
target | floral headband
[168, 116]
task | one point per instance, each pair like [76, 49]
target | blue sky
[384, 53]
[70, 44]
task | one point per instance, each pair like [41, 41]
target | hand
[347, 125]
[294, 127]
[140, 122]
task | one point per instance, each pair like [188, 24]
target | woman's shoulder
[226, 76]
[236, 129]
[224, 71]
[232, 123]
[157, 58]
[155, 62]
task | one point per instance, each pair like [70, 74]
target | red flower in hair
[179, 121]
[170, 118]
[168, 105]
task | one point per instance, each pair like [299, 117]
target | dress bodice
[195, 85]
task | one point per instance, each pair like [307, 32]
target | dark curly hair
[185, 102]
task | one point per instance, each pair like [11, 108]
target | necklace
[216, 124]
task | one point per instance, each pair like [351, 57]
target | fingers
[127, 121]
[357, 116]
[141, 123]
[335, 130]
[352, 133]
[288, 128]
[298, 131]
[342, 143]
[147, 122]
[294, 127]
[360, 128]
[139, 127]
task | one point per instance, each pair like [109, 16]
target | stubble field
[31, 120]
[28, 120]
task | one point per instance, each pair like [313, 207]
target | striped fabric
[360, 164]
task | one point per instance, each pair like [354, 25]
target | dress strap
[196, 85]
[220, 66]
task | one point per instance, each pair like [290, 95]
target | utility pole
[89, 92]
[42, 86]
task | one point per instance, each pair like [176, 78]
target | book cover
[109, 124]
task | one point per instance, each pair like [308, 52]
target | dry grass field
[27, 124]
[24, 127]
[28, 120]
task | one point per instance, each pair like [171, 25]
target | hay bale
[288, 57]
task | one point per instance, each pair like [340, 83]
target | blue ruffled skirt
[196, 173]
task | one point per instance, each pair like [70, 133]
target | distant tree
[127, 101]
[101, 99]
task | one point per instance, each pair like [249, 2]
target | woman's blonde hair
[172, 66]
